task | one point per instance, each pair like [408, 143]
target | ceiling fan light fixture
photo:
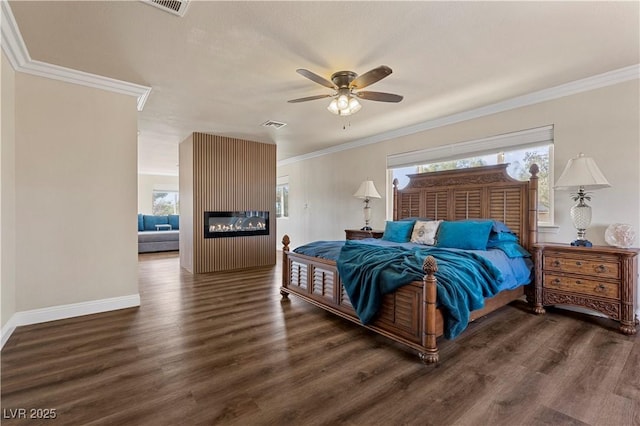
[333, 107]
[348, 85]
[343, 101]
[354, 105]
[346, 106]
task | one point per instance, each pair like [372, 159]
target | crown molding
[16, 51]
[583, 85]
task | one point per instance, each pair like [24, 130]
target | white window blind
[522, 139]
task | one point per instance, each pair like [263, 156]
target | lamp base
[581, 243]
[366, 228]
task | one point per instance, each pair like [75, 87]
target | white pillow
[424, 232]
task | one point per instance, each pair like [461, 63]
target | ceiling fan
[347, 85]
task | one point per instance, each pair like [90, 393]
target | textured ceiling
[227, 67]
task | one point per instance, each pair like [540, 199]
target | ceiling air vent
[274, 124]
[176, 7]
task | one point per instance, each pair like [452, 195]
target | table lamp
[583, 174]
[367, 191]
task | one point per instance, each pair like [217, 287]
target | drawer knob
[600, 288]
[578, 282]
[578, 263]
[601, 268]
[556, 281]
[556, 263]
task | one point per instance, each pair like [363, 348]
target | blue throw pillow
[399, 231]
[496, 225]
[140, 222]
[467, 235]
[500, 227]
[502, 236]
[174, 221]
[510, 248]
[151, 221]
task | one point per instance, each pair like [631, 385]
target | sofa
[158, 233]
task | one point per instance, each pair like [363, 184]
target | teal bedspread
[464, 279]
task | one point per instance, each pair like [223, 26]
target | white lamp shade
[581, 172]
[367, 190]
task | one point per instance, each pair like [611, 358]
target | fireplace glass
[236, 224]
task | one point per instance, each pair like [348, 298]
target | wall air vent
[176, 7]
[274, 124]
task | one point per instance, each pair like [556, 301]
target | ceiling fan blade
[379, 96]
[309, 98]
[370, 77]
[315, 77]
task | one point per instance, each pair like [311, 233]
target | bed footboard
[407, 315]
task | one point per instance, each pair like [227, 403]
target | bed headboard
[479, 192]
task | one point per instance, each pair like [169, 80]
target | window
[282, 200]
[165, 202]
[519, 149]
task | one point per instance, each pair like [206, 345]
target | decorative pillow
[151, 221]
[497, 226]
[500, 227]
[140, 222]
[467, 235]
[510, 248]
[502, 236]
[174, 221]
[424, 232]
[398, 231]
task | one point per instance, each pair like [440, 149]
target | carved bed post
[285, 266]
[395, 199]
[429, 296]
[533, 206]
[533, 291]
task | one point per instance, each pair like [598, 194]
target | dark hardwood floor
[224, 349]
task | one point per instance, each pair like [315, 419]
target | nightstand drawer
[359, 234]
[582, 286]
[605, 267]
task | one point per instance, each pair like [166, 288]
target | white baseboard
[7, 330]
[59, 312]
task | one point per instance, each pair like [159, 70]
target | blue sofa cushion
[174, 221]
[140, 222]
[151, 221]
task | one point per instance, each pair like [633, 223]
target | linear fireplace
[236, 224]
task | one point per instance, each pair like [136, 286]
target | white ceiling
[227, 67]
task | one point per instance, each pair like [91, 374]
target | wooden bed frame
[409, 314]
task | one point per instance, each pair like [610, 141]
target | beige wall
[602, 123]
[76, 202]
[7, 194]
[147, 184]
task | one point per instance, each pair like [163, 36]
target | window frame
[493, 145]
[176, 204]
[283, 182]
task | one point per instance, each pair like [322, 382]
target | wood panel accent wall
[228, 174]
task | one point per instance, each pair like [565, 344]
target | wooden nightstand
[358, 234]
[599, 278]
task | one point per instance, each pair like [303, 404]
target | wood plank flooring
[224, 349]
